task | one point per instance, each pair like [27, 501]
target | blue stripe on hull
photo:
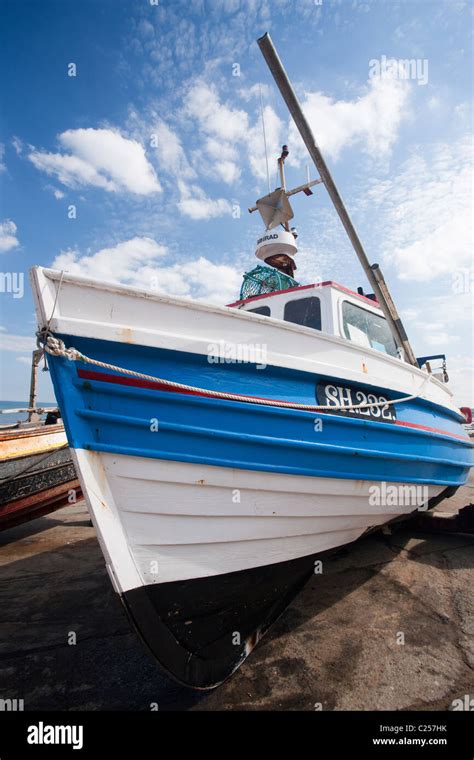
[104, 416]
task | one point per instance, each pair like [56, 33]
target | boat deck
[335, 646]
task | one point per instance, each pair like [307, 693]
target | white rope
[56, 347]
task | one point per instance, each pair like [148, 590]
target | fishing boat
[37, 475]
[224, 450]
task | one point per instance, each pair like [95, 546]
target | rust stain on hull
[126, 333]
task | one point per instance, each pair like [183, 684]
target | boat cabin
[329, 307]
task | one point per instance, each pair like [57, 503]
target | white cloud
[224, 157]
[249, 93]
[221, 150]
[215, 118]
[223, 128]
[274, 129]
[138, 263]
[17, 145]
[70, 170]
[443, 324]
[409, 315]
[16, 343]
[434, 103]
[214, 159]
[24, 360]
[426, 212]
[195, 203]
[227, 171]
[101, 158]
[8, 238]
[201, 279]
[228, 134]
[372, 120]
[439, 319]
[461, 373]
[435, 334]
[169, 151]
[58, 194]
[463, 112]
[119, 262]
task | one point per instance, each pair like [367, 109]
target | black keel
[201, 630]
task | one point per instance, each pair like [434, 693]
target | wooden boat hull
[37, 475]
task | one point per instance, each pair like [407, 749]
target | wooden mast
[33, 415]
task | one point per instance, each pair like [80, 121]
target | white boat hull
[171, 521]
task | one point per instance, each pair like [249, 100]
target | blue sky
[157, 144]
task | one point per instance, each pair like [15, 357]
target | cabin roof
[327, 283]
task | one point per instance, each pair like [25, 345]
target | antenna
[277, 250]
[275, 208]
[264, 137]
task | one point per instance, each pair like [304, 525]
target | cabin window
[367, 329]
[265, 310]
[304, 311]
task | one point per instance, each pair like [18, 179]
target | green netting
[265, 280]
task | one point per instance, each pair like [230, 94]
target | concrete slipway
[336, 647]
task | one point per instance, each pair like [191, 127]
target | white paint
[182, 517]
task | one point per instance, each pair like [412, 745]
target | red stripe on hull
[152, 385]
